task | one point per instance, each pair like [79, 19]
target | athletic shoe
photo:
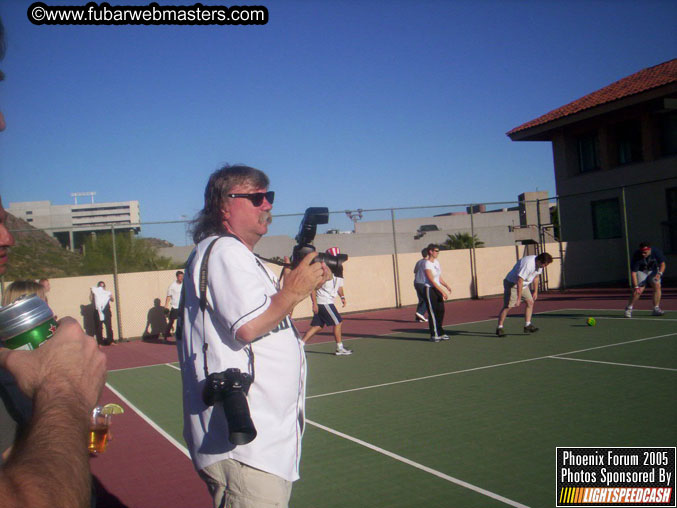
[657, 312]
[444, 337]
[435, 339]
[530, 329]
[343, 352]
[420, 318]
[500, 332]
[628, 313]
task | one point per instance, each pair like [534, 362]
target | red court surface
[141, 469]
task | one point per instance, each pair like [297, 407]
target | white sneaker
[420, 318]
[628, 313]
[657, 312]
[444, 337]
[343, 352]
[436, 339]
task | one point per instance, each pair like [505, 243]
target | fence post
[473, 260]
[115, 283]
[625, 233]
[398, 295]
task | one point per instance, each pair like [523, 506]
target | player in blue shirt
[648, 266]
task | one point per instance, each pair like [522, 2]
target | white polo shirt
[328, 291]
[524, 269]
[239, 289]
[174, 293]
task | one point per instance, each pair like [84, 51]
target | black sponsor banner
[615, 476]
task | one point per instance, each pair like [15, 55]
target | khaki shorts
[236, 485]
[510, 294]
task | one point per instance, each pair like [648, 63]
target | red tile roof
[646, 79]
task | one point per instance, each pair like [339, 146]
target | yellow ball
[591, 321]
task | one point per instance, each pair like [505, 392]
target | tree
[554, 219]
[462, 241]
[133, 255]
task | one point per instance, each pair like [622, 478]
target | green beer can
[26, 323]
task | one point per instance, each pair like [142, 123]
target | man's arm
[445, 284]
[342, 296]
[49, 466]
[313, 299]
[298, 283]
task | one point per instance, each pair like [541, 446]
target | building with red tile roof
[615, 162]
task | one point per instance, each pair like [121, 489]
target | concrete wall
[370, 283]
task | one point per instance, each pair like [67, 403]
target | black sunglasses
[256, 197]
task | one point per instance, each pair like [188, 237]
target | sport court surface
[403, 422]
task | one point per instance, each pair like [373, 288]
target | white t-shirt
[436, 269]
[174, 293]
[328, 291]
[524, 269]
[101, 299]
[419, 272]
[239, 289]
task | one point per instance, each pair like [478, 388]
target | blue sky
[346, 104]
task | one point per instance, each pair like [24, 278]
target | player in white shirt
[101, 298]
[516, 287]
[172, 302]
[419, 286]
[325, 312]
[243, 323]
[434, 294]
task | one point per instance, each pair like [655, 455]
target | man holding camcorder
[242, 360]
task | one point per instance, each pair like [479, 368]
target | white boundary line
[392, 455]
[489, 366]
[612, 363]
[420, 466]
[150, 422]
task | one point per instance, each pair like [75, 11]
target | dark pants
[108, 320]
[420, 292]
[173, 315]
[435, 305]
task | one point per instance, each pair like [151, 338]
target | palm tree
[462, 241]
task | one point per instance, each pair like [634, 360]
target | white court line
[488, 366]
[612, 363]
[420, 466]
[150, 422]
[173, 366]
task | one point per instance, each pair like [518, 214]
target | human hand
[316, 308]
[69, 364]
[306, 277]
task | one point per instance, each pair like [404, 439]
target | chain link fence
[591, 235]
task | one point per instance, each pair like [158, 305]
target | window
[671, 224]
[606, 219]
[29, 220]
[588, 152]
[29, 212]
[669, 134]
[629, 142]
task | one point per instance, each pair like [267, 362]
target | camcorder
[305, 237]
[230, 388]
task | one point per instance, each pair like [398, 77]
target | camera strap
[202, 287]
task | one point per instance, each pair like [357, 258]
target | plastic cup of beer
[99, 430]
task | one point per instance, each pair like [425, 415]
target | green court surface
[470, 422]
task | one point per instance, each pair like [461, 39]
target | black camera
[230, 388]
[305, 237]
